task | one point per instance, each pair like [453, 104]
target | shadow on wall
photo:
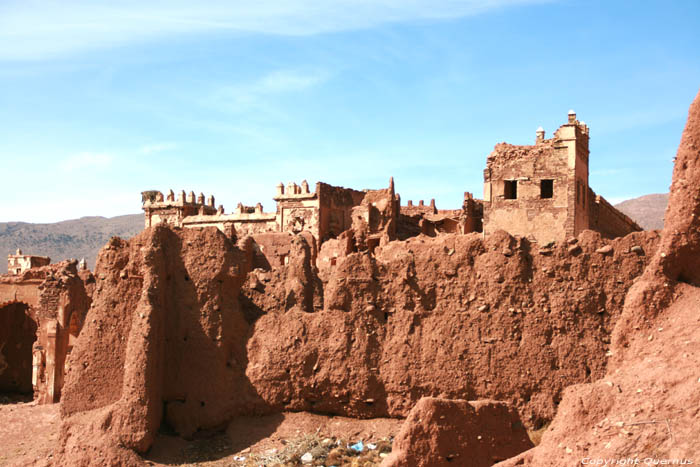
[17, 336]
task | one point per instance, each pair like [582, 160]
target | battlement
[421, 208]
[160, 209]
[294, 191]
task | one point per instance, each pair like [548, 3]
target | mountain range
[83, 238]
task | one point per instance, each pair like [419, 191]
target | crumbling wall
[166, 316]
[442, 432]
[271, 250]
[607, 220]
[336, 204]
[450, 315]
[454, 316]
[54, 301]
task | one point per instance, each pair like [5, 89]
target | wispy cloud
[36, 29]
[87, 161]
[156, 148]
[289, 80]
[241, 97]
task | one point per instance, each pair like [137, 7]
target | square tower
[540, 191]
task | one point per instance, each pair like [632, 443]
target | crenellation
[171, 211]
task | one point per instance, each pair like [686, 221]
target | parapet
[420, 209]
[294, 191]
[153, 199]
[161, 209]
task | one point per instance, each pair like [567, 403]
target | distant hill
[77, 238]
[648, 211]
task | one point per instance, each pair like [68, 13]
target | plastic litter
[357, 447]
[371, 446]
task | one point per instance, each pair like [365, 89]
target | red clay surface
[28, 433]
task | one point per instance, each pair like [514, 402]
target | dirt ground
[269, 439]
[29, 434]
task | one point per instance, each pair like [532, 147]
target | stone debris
[605, 250]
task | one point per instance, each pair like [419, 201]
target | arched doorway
[17, 335]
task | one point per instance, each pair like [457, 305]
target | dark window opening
[510, 189]
[372, 243]
[546, 189]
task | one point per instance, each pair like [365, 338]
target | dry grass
[536, 435]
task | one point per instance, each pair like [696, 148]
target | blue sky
[102, 100]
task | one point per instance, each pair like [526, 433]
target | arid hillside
[647, 211]
[76, 238]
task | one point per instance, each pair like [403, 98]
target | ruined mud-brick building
[321, 215]
[18, 263]
[42, 309]
[541, 191]
[428, 220]
[324, 213]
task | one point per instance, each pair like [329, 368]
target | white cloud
[288, 81]
[244, 96]
[38, 29]
[156, 147]
[87, 161]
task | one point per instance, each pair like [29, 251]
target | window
[546, 189]
[510, 189]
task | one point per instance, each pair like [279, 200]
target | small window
[546, 189]
[510, 189]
